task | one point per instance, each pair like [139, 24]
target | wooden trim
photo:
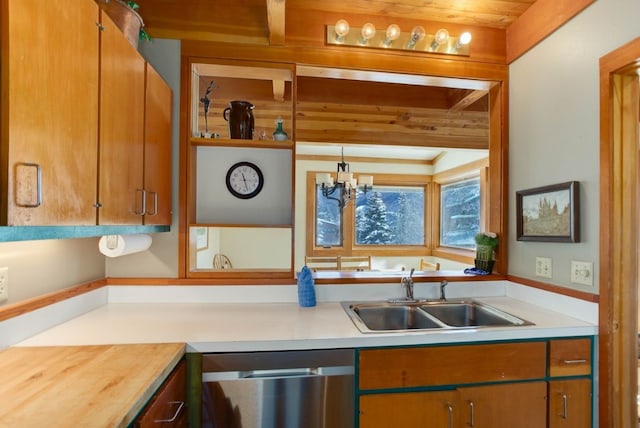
[540, 20]
[30, 305]
[199, 281]
[618, 237]
[352, 159]
[577, 294]
[469, 170]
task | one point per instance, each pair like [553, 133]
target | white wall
[553, 128]
[40, 267]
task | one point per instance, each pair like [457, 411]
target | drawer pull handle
[33, 202]
[175, 416]
[472, 414]
[580, 361]
[450, 409]
[564, 405]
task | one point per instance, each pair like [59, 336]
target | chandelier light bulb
[368, 31]
[417, 34]
[441, 37]
[341, 29]
[393, 32]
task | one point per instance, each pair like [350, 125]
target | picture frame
[549, 213]
[202, 238]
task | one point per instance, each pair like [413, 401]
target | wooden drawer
[569, 357]
[451, 365]
[167, 408]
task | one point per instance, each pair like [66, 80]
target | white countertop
[226, 327]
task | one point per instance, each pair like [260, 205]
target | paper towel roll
[121, 245]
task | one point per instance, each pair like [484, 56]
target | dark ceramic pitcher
[239, 115]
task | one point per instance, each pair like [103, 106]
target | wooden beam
[541, 19]
[466, 100]
[275, 21]
[278, 90]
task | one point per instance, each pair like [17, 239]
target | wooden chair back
[425, 265]
[357, 263]
[316, 263]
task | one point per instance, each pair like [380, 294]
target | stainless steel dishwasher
[290, 389]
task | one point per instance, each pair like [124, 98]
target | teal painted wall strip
[32, 233]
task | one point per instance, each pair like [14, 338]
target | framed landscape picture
[549, 213]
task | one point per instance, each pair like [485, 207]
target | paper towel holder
[112, 241]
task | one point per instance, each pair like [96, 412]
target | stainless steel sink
[378, 317]
[470, 314]
[394, 317]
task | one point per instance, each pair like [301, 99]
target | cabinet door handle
[175, 415]
[472, 414]
[38, 179]
[155, 204]
[564, 405]
[450, 409]
[580, 361]
[143, 198]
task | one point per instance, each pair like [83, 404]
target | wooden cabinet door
[49, 112]
[167, 408]
[570, 403]
[120, 183]
[157, 149]
[409, 409]
[514, 405]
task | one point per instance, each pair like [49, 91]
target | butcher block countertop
[93, 386]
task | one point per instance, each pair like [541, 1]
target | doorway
[619, 236]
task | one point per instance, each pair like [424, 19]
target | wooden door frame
[618, 310]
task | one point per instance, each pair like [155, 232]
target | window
[460, 213]
[390, 216]
[387, 220]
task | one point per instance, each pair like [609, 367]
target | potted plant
[486, 243]
[125, 15]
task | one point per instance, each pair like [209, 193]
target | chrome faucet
[443, 284]
[407, 284]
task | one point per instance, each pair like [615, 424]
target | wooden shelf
[227, 142]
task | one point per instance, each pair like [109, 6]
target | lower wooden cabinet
[407, 409]
[570, 403]
[168, 407]
[513, 405]
[531, 384]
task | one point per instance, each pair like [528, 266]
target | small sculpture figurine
[206, 101]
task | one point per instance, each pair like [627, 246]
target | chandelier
[344, 188]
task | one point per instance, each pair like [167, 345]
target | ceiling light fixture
[441, 42]
[345, 187]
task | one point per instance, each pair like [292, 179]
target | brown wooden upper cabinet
[73, 121]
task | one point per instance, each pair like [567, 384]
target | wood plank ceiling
[328, 109]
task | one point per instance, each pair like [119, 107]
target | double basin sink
[403, 316]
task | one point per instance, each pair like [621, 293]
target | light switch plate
[4, 284]
[582, 272]
[543, 267]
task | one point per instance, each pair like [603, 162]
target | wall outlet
[582, 272]
[543, 267]
[4, 284]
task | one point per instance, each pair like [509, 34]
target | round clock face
[244, 180]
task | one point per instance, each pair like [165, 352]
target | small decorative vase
[279, 134]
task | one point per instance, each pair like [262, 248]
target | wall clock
[244, 180]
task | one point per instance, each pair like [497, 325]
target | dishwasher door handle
[278, 373]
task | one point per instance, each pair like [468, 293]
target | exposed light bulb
[368, 31]
[393, 32]
[441, 37]
[417, 34]
[342, 29]
[463, 40]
